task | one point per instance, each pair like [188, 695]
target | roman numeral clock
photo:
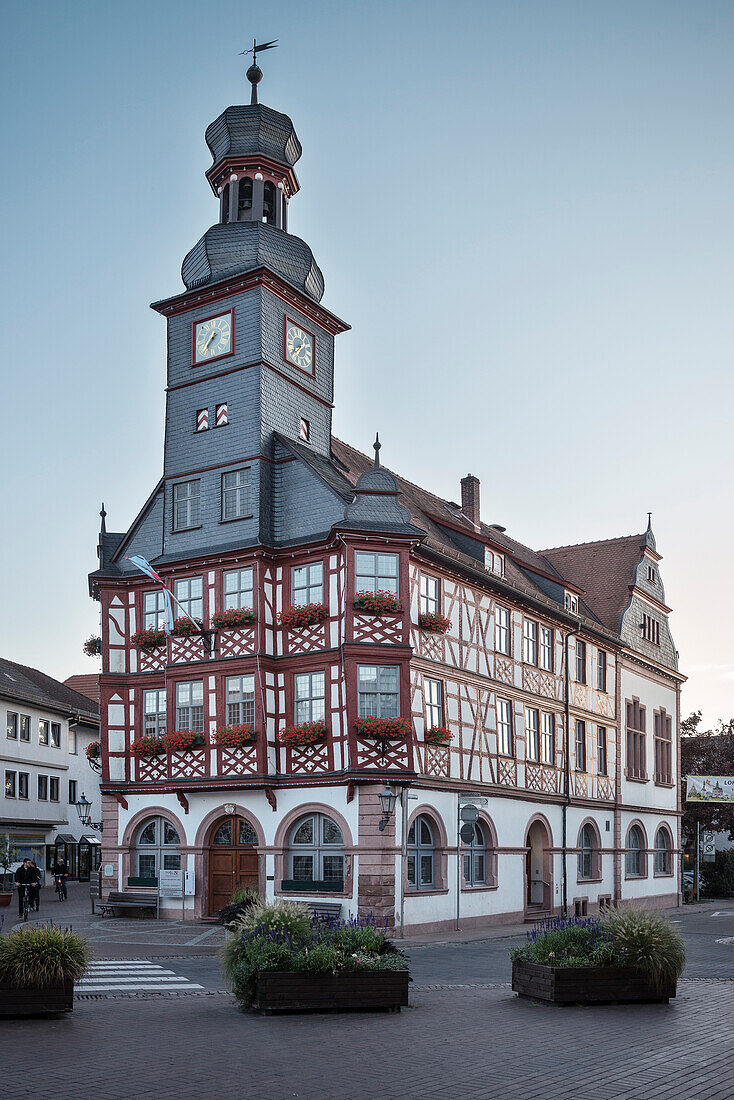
[213, 338]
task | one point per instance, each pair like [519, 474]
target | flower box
[313, 886]
[187, 628]
[36, 1000]
[438, 735]
[288, 991]
[301, 615]
[233, 617]
[588, 985]
[307, 733]
[147, 746]
[182, 741]
[378, 603]
[383, 729]
[234, 737]
[148, 640]
[433, 623]
[93, 646]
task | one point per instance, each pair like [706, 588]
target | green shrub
[647, 942]
[42, 956]
[717, 878]
[245, 896]
[576, 941]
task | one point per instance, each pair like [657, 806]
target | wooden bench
[328, 911]
[118, 899]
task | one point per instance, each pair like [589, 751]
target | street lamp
[83, 808]
[387, 798]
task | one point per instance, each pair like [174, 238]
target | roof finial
[649, 521]
[255, 74]
[103, 514]
[377, 446]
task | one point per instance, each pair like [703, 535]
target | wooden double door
[233, 860]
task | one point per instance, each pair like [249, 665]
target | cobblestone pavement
[452, 1043]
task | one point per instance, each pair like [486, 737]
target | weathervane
[255, 74]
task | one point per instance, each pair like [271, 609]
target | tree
[706, 752]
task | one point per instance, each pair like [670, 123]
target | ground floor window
[662, 852]
[156, 848]
[421, 854]
[316, 850]
[475, 858]
[588, 850]
[635, 860]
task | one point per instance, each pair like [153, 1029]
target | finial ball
[254, 74]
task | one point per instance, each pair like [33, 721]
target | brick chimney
[470, 497]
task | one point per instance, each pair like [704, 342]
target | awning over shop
[91, 840]
[64, 838]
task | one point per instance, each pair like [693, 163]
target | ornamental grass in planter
[630, 955]
[383, 729]
[280, 958]
[433, 623]
[147, 746]
[149, 639]
[438, 735]
[300, 615]
[38, 968]
[183, 627]
[298, 737]
[233, 617]
[240, 903]
[234, 737]
[183, 740]
[378, 603]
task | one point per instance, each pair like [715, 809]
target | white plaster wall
[653, 696]
[650, 885]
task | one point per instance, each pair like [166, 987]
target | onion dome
[253, 131]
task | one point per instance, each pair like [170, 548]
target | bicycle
[60, 887]
[26, 903]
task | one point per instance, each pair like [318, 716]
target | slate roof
[605, 571]
[32, 686]
[252, 129]
[86, 683]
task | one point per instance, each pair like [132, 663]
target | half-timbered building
[541, 685]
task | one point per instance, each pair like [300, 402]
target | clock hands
[209, 339]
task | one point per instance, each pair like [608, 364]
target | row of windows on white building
[18, 785]
[18, 728]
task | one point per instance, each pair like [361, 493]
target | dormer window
[571, 603]
[651, 576]
[493, 562]
[244, 199]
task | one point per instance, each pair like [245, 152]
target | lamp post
[387, 798]
[83, 808]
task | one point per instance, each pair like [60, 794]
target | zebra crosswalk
[133, 976]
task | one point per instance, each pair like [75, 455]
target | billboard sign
[710, 788]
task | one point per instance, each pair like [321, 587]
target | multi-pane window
[307, 583]
[23, 784]
[236, 494]
[157, 848]
[316, 851]
[10, 784]
[310, 697]
[663, 747]
[154, 712]
[636, 740]
[25, 727]
[433, 694]
[580, 661]
[190, 596]
[580, 745]
[154, 609]
[238, 588]
[601, 750]
[545, 654]
[378, 691]
[42, 788]
[570, 602]
[53, 788]
[662, 852]
[501, 629]
[601, 670]
[475, 858]
[240, 700]
[375, 572]
[634, 862]
[72, 791]
[504, 727]
[530, 642]
[56, 734]
[190, 706]
[43, 731]
[421, 854]
[651, 629]
[586, 852]
[532, 733]
[12, 725]
[429, 595]
[547, 737]
[186, 511]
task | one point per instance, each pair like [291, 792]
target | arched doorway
[538, 874]
[233, 861]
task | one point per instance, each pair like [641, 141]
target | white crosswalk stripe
[133, 976]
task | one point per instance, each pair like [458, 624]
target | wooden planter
[587, 985]
[290, 991]
[34, 1000]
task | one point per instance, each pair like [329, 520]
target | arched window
[269, 203]
[587, 852]
[244, 199]
[475, 858]
[662, 852]
[156, 848]
[635, 857]
[242, 833]
[225, 204]
[316, 851]
[421, 849]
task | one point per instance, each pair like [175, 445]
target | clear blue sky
[523, 208]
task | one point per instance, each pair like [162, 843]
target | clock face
[298, 346]
[213, 338]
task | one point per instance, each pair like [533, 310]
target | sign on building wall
[710, 788]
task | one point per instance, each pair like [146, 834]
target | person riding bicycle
[60, 872]
[26, 876]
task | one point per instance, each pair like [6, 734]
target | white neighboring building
[47, 727]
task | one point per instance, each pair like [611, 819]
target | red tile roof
[604, 570]
[86, 684]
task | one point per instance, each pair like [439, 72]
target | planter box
[587, 985]
[294, 991]
[34, 1000]
[5, 899]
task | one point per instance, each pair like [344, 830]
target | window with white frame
[307, 583]
[433, 691]
[190, 706]
[240, 700]
[428, 594]
[156, 848]
[375, 572]
[238, 588]
[154, 610]
[378, 691]
[532, 733]
[236, 494]
[547, 737]
[530, 642]
[635, 859]
[12, 725]
[190, 595]
[587, 852]
[504, 727]
[421, 849]
[570, 602]
[186, 512]
[25, 727]
[502, 629]
[309, 697]
[316, 850]
[475, 858]
[545, 653]
[154, 712]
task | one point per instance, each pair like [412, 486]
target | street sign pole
[458, 863]
[698, 857]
